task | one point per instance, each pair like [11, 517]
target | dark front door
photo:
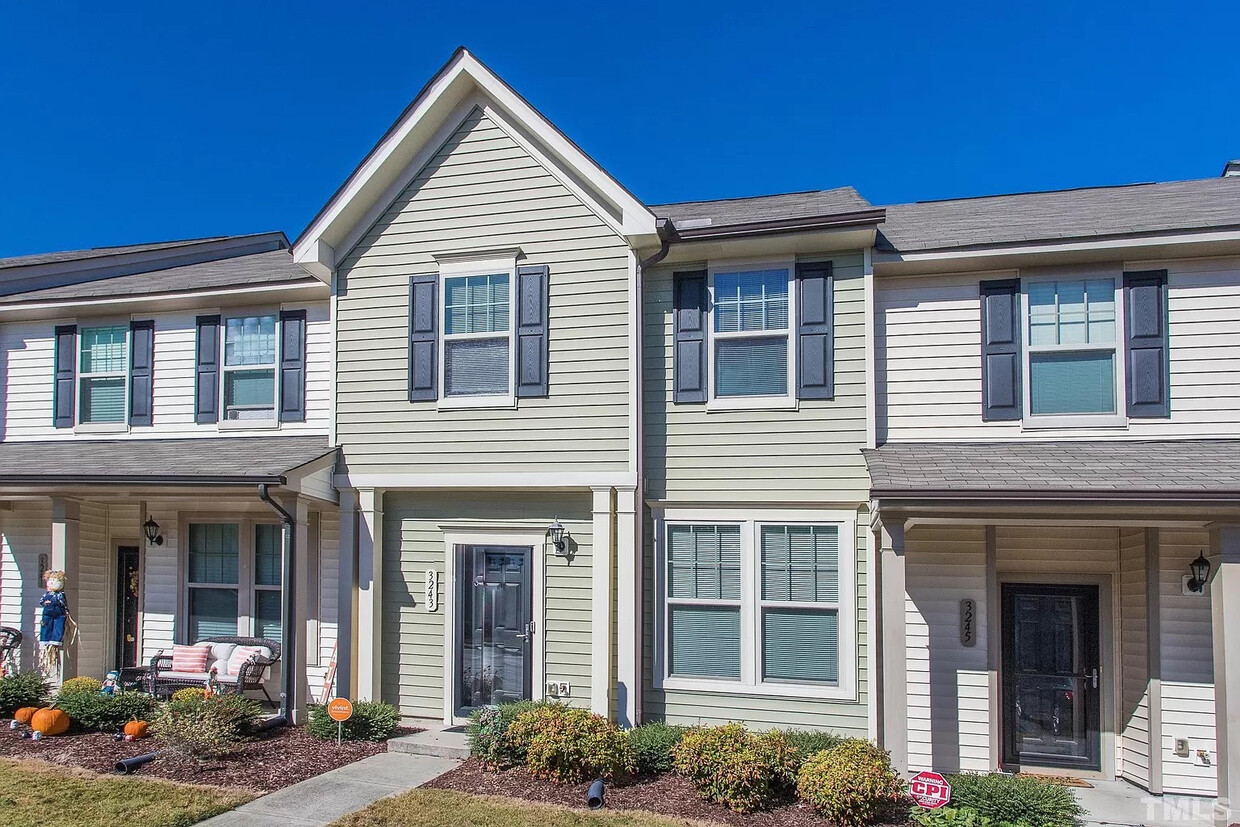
[1050, 676]
[126, 606]
[494, 625]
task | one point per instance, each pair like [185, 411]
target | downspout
[288, 626]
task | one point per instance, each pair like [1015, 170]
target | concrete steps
[436, 741]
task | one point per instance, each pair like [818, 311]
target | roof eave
[141, 479]
[862, 218]
[1067, 495]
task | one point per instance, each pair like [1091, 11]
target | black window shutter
[532, 344]
[1001, 387]
[689, 321]
[1147, 344]
[815, 331]
[141, 372]
[66, 376]
[292, 366]
[207, 372]
[423, 333]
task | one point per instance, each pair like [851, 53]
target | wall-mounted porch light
[153, 537]
[555, 533]
[1200, 569]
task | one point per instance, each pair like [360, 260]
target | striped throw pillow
[190, 658]
[239, 657]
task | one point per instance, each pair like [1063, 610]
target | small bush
[206, 727]
[1017, 799]
[93, 712]
[954, 817]
[189, 693]
[851, 784]
[743, 770]
[487, 730]
[22, 689]
[82, 684]
[652, 746]
[809, 741]
[564, 745]
[371, 721]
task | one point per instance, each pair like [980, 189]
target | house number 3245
[432, 590]
[968, 623]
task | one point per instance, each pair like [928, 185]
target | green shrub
[809, 741]
[743, 770]
[371, 721]
[22, 689]
[189, 693]
[563, 744]
[82, 684]
[851, 784]
[206, 727]
[954, 817]
[487, 730]
[652, 746]
[93, 712]
[1016, 799]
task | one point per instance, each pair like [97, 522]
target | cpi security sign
[930, 790]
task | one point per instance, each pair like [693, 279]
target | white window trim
[250, 424]
[488, 267]
[1031, 421]
[751, 683]
[787, 401]
[245, 587]
[101, 427]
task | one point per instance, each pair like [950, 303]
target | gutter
[288, 628]
[131, 479]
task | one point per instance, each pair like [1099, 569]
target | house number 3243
[432, 590]
[968, 623]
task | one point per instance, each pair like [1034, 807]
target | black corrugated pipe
[288, 628]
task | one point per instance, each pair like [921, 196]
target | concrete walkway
[323, 799]
[1120, 804]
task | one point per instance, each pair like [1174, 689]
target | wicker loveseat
[10, 645]
[162, 680]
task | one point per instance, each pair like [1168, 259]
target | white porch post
[602, 560]
[628, 607]
[1225, 605]
[296, 659]
[66, 516]
[892, 676]
[369, 593]
[346, 597]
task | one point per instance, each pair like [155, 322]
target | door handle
[528, 634]
[1093, 676]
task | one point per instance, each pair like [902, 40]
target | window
[1072, 345]
[751, 346]
[234, 580]
[477, 335]
[249, 368]
[758, 606]
[103, 375]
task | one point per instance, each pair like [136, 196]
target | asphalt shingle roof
[98, 252]
[1209, 466]
[231, 459]
[731, 211]
[1064, 214]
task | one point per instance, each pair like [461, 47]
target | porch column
[369, 593]
[602, 560]
[66, 517]
[892, 680]
[346, 596]
[628, 608]
[296, 659]
[1225, 606]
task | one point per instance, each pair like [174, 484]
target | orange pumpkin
[136, 729]
[23, 715]
[50, 721]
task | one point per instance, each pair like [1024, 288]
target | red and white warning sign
[930, 790]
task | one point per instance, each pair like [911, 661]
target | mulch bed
[668, 795]
[271, 761]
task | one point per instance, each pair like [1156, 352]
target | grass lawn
[34, 792]
[446, 808]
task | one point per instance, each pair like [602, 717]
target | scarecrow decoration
[56, 621]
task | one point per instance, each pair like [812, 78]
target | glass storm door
[127, 606]
[494, 625]
[1050, 676]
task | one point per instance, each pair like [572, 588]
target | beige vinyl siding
[759, 711]
[811, 454]
[94, 592]
[929, 358]
[25, 533]
[482, 190]
[414, 525]
[1134, 710]
[27, 366]
[329, 599]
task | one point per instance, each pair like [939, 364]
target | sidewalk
[323, 799]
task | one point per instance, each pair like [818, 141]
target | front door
[494, 625]
[1050, 676]
[126, 606]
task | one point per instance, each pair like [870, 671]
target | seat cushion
[195, 677]
[190, 658]
[220, 653]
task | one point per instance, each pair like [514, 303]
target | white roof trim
[450, 96]
[1050, 246]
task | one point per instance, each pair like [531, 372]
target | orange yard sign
[340, 709]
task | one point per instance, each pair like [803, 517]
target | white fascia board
[317, 258]
[296, 291]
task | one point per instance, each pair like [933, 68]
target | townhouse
[940, 474]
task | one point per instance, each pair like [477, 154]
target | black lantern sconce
[153, 537]
[1200, 569]
[555, 533]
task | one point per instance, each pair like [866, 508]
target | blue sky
[134, 121]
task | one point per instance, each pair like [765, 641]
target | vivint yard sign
[930, 790]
